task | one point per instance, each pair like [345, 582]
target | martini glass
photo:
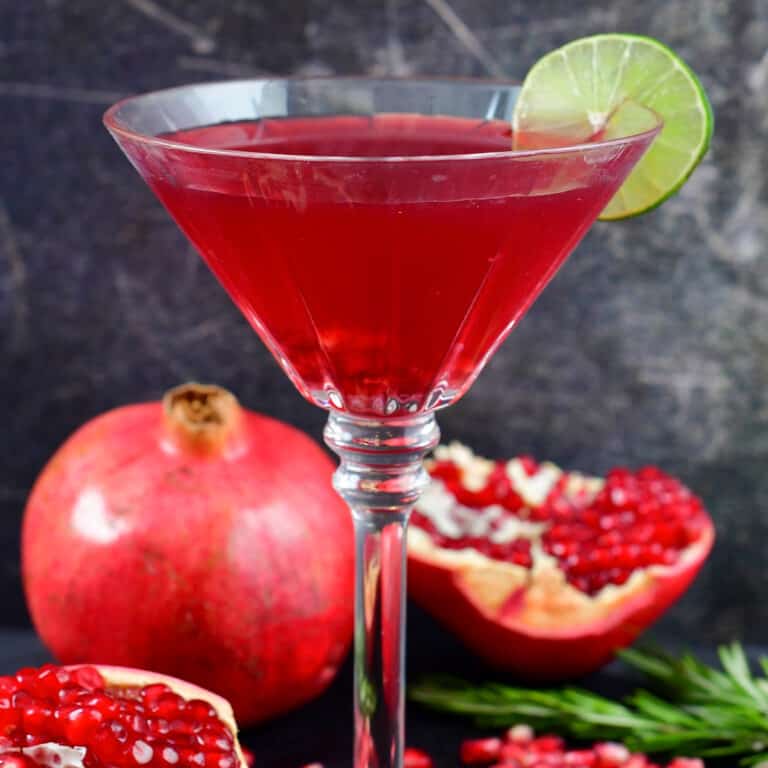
[382, 238]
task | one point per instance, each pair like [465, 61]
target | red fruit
[416, 758]
[551, 586]
[480, 751]
[61, 735]
[199, 539]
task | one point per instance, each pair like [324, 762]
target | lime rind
[584, 88]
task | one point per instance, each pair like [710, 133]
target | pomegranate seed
[9, 719]
[669, 557]
[611, 754]
[512, 751]
[142, 753]
[138, 724]
[107, 748]
[21, 699]
[212, 740]
[25, 677]
[197, 709]
[70, 695]
[101, 703]
[584, 758]
[618, 576]
[168, 705]
[184, 727]
[80, 724]
[480, 751]
[608, 522]
[444, 470]
[562, 549]
[416, 758]
[169, 756]
[151, 693]
[159, 725]
[520, 733]
[89, 678]
[47, 683]
[119, 731]
[37, 718]
[596, 582]
[63, 676]
[547, 744]
[522, 558]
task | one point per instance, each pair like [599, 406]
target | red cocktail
[382, 289]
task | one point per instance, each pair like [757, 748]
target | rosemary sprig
[697, 710]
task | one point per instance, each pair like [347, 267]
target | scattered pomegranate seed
[416, 758]
[480, 751]
[520, 748]
[520, 733]
[611, 754]
[584, 758]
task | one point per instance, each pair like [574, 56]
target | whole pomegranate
[547, 573]
[113, 717]
[198, 539]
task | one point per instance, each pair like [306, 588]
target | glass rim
[115, 127]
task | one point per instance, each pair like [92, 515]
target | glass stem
[380, 476]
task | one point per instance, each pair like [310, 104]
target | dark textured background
[650, 346]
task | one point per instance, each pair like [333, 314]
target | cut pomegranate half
[547, 573]
[98, 716]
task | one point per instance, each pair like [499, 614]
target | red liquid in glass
[381, 287]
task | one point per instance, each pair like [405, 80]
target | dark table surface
[322, 730]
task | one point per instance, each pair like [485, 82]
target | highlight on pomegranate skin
[60, 717]
[548, 572]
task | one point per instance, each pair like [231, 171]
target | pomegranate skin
[210, 547]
